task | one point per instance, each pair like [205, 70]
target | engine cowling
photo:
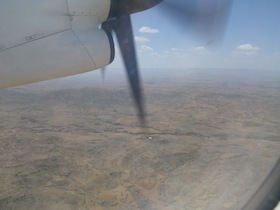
[41, 40]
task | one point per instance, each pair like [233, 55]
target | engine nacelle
[41, 40]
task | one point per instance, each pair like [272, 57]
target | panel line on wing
[70, 20]
[32, 39]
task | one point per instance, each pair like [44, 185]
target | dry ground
[208, 145]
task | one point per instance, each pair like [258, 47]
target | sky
[251, 40]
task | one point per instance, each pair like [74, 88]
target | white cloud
[175, 52]
[198, 49]
[141, 39]
[149, 30]
[245, 49]
[157, 55]
[146, 48]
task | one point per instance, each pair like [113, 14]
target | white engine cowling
[41, 39]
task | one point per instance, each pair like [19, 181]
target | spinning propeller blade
[126, 43]
[205, 18]
[208, 16]
[119, 21]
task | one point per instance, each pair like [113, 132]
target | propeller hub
[119, 7]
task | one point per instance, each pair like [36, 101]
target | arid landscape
[76, 144]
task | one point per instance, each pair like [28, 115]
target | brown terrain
[210, 142]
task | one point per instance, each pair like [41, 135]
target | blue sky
[251, 40]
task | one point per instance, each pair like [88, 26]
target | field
[210, 141]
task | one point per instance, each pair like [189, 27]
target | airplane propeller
[189, 12]
[119, 21]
